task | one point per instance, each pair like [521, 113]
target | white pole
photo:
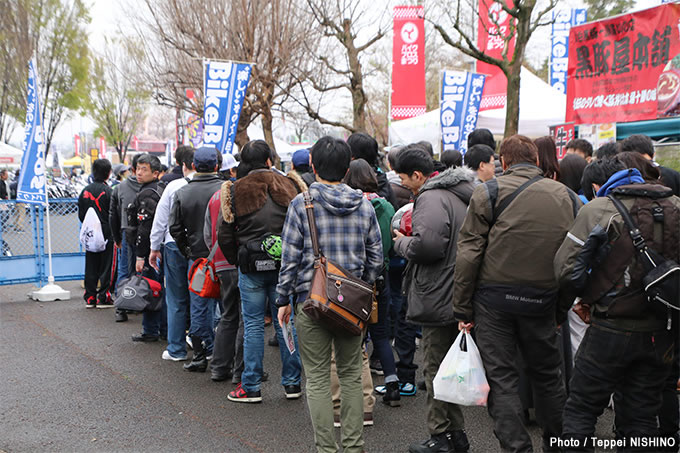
[50, 278]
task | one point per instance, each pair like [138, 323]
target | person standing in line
[349, 234]
[174, 263]
[123, 196]
[98, 264]
[253, 211]
[439, 209]
[226, 344]
[186, 226]
[504, 285]
[140, 220]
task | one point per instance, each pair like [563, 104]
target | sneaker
[336, 421]
[239, 395]
[405, 389]
[145, 338]
[460, 441]
[107, 302]
[368, 418]
[293, 392]
[273, 341]
[91, 302]
[121, 316]
[376, 367]
[189, 343]
[166, 356]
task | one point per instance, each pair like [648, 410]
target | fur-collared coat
[254, 206]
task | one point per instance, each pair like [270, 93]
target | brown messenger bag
[336, 298]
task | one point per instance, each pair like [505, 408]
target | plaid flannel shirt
[348, 231]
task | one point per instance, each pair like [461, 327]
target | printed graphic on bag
[129, 293]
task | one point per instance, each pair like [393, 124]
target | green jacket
[384, 211]
[514, 255]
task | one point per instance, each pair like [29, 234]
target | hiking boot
[438, 443]
[392, 396]
[238, 395]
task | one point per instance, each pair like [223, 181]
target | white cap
[228, 162]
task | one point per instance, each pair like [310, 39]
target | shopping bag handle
[463, 342]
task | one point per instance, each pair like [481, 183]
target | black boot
[199, 362]
[392, 396]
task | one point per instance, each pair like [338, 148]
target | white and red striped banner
[493, 27]
[408, 62]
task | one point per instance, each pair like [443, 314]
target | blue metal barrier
[23, 248]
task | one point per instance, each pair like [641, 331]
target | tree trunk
[242, 128]
[356, 79]
[512, 103]
[267, 120]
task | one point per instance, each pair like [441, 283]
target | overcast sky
[108, 15]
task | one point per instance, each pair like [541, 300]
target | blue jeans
[257, 289]
[202, 318]
[405, 333]
[154, 322]
[177, 298]
[380, 332]
[126, 262]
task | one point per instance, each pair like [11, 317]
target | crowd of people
[529, 254]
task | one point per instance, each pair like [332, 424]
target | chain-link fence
[23, 241]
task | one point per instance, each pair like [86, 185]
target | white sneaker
[166, 356]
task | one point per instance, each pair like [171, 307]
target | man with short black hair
[480, 158]
[504, 285]
[140, 221]
[186, 227]
[642, 144]
[581, 147]
[438, 212]
[365, 147]
[349, 234]
[98, 264]
[176, 172]
[485, 137]
[122, 196]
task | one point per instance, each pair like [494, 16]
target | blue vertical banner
[459, 107]
[225, 87]
[31, 187]
[563, 20]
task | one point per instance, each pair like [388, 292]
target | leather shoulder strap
[309, 207]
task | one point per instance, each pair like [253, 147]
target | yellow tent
[75, 161]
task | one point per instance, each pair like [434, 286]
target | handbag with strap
[203, 279]
[336, 298]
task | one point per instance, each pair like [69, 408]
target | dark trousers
[98, 272]
[382, 350]
[405, 335]
[633, 364]
[499, 335]
[224, 348]
[441, 416]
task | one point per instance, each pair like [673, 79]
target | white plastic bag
[461, 378]
[91, 234]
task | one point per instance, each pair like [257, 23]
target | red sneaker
[239, 395]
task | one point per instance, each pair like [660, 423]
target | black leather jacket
[188, 213]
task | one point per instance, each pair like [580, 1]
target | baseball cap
[205, 158]
[228, 162]
[300, 157]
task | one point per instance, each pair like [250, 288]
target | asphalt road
[71, 380]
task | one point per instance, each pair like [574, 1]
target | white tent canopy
[10, 156]
[541, 106]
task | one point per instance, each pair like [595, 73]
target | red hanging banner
[626, 68]
[493, 27]
[408, 62]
